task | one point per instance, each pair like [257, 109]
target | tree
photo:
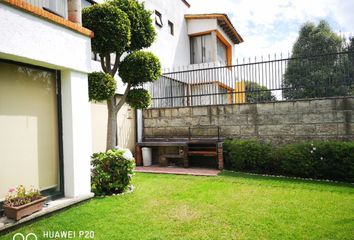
[350, 49]
[257, 93]
[122, 28]
[308, 75]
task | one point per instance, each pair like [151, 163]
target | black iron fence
[274, 78]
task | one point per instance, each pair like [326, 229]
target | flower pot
[19, 212]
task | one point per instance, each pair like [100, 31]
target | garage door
[29, 152]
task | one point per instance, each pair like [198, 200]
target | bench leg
[138, 157]
[220, 157]
[163, 161]
[185, 158]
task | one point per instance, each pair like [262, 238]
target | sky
[271, 26]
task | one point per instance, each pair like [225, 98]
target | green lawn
[230, 206]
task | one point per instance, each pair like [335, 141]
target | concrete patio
[179, 171]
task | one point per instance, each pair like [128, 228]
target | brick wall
[278, 122]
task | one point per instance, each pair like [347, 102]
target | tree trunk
[111, 124]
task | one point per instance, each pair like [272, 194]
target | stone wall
[277, 122]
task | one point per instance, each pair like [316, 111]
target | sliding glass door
[29, 132]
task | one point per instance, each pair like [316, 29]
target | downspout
[74, 11]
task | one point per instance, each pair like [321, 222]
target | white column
[77, 139]
[139, 120]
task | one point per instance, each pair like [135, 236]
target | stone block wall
[278, 122]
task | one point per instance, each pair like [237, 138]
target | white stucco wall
[173, 50]
[201, 25]
[28, 39]
[125, 127]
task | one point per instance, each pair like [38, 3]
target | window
[57, 7]
[170, 25]
[201, 50]
[29, 119]
[158, 18]
[221, 52]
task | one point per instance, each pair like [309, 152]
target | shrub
[140, 67]
[332, 160]
[249, 155]
[296, 160]
[101, 86]
[142, 29]
[323, 160]
[111, 172]
[139, 98]
[111, 27]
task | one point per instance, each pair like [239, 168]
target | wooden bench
[164, 159]
[206, 148]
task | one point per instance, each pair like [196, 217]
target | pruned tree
[315, 69]
[122, 28]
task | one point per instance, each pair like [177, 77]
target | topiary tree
[122, 28]
[308, 76]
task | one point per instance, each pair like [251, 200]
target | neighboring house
[45, 139]
[202, 41]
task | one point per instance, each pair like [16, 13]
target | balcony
[57, 7]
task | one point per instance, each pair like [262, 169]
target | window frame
[222, 39]
[171, 27]
[158, 15]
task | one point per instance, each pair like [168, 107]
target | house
[184, 41]
[48, 128]
[45, 58]
[205, 41]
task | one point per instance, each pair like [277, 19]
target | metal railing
[256, 80]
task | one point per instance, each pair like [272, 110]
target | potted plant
[20, 202]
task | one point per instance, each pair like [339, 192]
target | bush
[142, 29]
[111, 172]
[322, 160]
[139, 98]
[248, 155]
[111, 27]
[140, 67]
[332, 160]
[102, 86]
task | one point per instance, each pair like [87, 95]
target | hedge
[332, 160]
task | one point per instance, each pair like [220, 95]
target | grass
[230, 206]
